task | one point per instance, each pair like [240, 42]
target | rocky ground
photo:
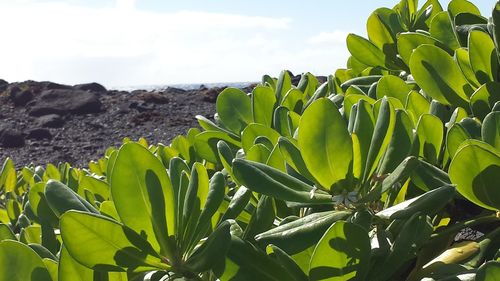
[45, 122]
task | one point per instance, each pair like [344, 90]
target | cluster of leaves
[369, 176]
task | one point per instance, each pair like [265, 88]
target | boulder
[39, 134]
[10, 137]
[50, 121]
[62, 102]
[91, 87]
[3, 85]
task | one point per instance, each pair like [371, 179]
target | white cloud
[121, 45]
[333, 37]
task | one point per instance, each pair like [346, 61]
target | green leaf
[400, 145]
[206, 144]
[489, 271]
[430, 131]
[6, 233]
[343, 253]
[263, 102]
[456, 7]
[384, 127]
[293, 100]
[287, 262]
[482, 55]
[234, 109]
[474, 168]
[455, 137]
[283, 85]
[61, 199]
[416, 105]
[293, 157]
[298, 235]
[6, 167]
[362, 132]
[254, 130]
[463, 60]
[484, 98]
[409, 41]
[245, 262]
[365, 51]
[272, 182]
[491, 129]
[40, 206]
[439, 76]
[108, 245]
[428, 203]
[194, 201]
[143, 196]
[442, 29]
[325, 144]
[392, 86]
[20, 263]
[382, 27]
[70, 269]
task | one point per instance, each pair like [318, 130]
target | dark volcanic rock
[3, 85]
[91, 87]
[174, 90]
[65, 101]
[47, 85]
[10, 137]
[50, 121]
[22, 97]
[210, 95]
[150, 97]
[39, 134]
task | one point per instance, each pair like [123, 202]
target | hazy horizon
[121, 43]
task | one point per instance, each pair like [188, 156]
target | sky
[122, 43]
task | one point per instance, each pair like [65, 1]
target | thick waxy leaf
[6, 233]
[343, 253]
[139, 179]
[262, 218]
[263, 102]
[443, 30]
[293, 157]
[455, 137]
[393, 86]
[456, 7]
[439, 76]
[7, 166]
[61, 199]
[283, 85]
[254, 130]
[491, 129]
[272, 182]
[70, 269]
[234, 109]
[475, 169]
[416, 105]
[381, 138]
[484, 98]
[194, 200]
[400, 145]
[427, 203]
[20, 263]
[206, 144]
[489, 271]
[298, 235]
[463, 60]
[362, 133]
[213, 250]
[430, 131]
[482, 55]
[360, 81]
[245, 262]
[109, 245]
[325, 144]
[365, 51]
[287, 262]
[382, 27]
[40, 206]
[409, 41]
